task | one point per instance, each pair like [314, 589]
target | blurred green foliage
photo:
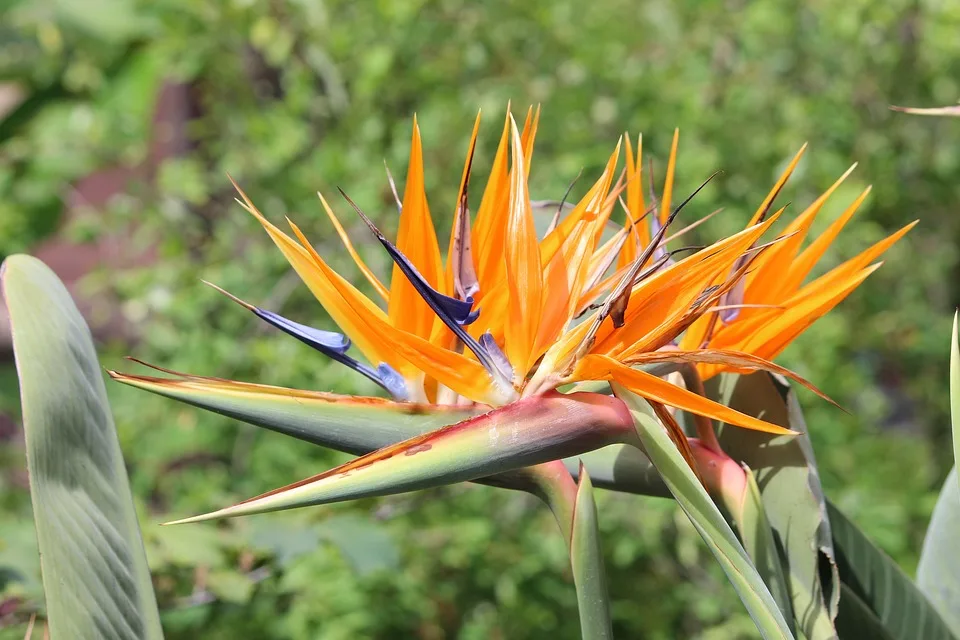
[292, 97]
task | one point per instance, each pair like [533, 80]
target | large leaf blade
[703, 513]
[856, 620]
[882, 586]
[96, 580]
[938, 574]
[955, 390]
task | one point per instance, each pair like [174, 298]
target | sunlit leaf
[938, 574]
[96, 580]
[955, 390]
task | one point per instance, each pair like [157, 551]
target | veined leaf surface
[95, 575]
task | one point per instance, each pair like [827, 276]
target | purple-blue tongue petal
[446, 307]
[459, 310]
[329, 343]
[317, 338]
[453, 312]
[393, 382]
[335, 345]
[499, 357]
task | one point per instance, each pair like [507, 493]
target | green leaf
[111, 20]
[955, 391]
[286, 540]
[19, 557]
[882, 585]
[620, 467]
[748, 511]
[527, 432]
[790, 491]
[95, 575]
[586, 559]
[856, 620]
[703, 513]
[576, 513]
[201, 546]
[938, 574]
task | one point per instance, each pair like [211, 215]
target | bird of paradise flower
[478, 352]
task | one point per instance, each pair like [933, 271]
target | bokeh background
[120, 120]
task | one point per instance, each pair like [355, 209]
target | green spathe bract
[96, 580]
[524, 433]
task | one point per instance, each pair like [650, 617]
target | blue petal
[331, 344]
[499, 358]
[324, 341]
[335, 345]
[460, 310]
[446, 307]
[393, 382]
[454, 313]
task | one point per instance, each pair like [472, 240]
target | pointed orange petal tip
[651, 387]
